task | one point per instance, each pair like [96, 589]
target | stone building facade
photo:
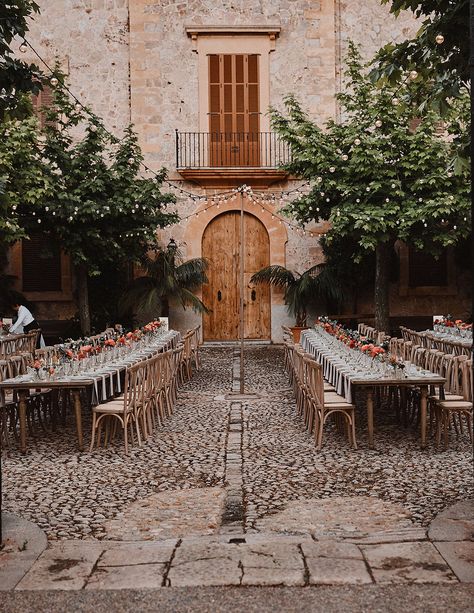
[204, 68]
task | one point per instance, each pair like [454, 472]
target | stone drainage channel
[233, 516]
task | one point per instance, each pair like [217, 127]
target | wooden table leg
[76, 395]
[423, 414]
[370, 416]
[22, 402]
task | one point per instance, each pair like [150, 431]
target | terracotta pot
[297, 330]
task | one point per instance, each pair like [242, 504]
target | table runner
[105, 382]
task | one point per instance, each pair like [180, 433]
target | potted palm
[166, 277]
[302, 290]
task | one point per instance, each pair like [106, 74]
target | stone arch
[196, 226]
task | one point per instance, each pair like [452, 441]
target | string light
[439, 39]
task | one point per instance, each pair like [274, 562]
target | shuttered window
[41, 265]
[427, 271]
[234, 109]
[233, 93]
[42, 101]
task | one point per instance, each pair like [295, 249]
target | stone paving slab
[407, 562]
[460, 557]
[134, 577]
[272, 563]
[23, 543]
[226, 560]
[455, 523]
[129, 554]
[66, 566]
[207, 565]
[335, 563]
[337, 571]
[402, 535]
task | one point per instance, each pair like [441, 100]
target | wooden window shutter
[41, 101]
[41, 264]
[234, 105]
[426, 271]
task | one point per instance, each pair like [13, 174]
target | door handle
[253, 295]
[219, 296]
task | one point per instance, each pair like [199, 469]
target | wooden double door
[221, 246]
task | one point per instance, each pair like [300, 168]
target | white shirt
[24, 318]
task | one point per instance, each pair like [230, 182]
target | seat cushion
[455, 405]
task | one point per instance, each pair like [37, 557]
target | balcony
[214, 159]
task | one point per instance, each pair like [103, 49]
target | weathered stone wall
[90, 39]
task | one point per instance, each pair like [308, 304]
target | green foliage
[16, 76]
[375, 177]
[82, 187]
[302, 291]
[166, 277]
[444, 65]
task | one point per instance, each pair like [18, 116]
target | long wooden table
[74, 386]
[423, 382]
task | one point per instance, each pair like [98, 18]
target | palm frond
[276, 275]
[189, 299]
[192, 273]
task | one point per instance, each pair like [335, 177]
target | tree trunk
[382, 287]
[83, 299]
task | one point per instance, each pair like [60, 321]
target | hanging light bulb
[378, 123]
[54, 81]
[439, 39]
[93, 128]
[23, 48]
[395, 101]
[413, 74]
[344, 157]
[393, 186]
[357, 141]
[131, 160]
[332, 169]
[78, 107]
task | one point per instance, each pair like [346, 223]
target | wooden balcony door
[234, 110]
[221, 246]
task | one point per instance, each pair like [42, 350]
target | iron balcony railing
[231, 150]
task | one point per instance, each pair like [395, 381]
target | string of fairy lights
[265, 199]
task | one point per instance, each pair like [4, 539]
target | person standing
[25, 322]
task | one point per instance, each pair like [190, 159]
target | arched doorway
[220, 245]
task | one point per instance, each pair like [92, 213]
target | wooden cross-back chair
[127, 411]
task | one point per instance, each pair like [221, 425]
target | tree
[439, 53]
[302, 290]
[16, 76]
[85, 192]
[166, 277]
[382, 175]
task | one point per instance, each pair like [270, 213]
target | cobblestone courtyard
[173, 486]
